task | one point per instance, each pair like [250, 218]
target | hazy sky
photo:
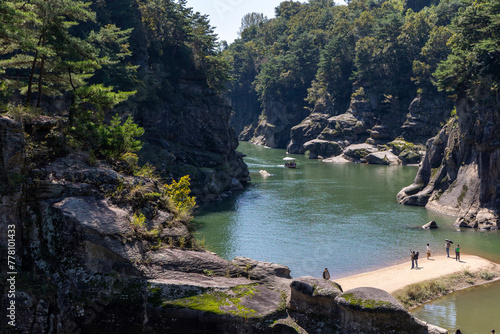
[226, 15]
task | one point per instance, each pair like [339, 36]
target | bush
[117, 139]
[178, 193]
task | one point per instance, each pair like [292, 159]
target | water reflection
[474, 310]
[341, 216]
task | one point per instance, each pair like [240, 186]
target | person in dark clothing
[416, 260]
[412, 256]
[326, 274]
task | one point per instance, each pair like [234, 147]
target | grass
[364, 303]
[219, 301]
[419, 293]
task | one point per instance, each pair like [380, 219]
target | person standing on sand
[412, 256]
[457, 253]
[448, 244]
[416, 260]
[326, 274]
[428, 251]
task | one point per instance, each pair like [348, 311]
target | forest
[318, 56]
[79, 60]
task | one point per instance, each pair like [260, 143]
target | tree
[475, 49]
[251, 20]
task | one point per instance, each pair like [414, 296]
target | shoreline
[398, 277]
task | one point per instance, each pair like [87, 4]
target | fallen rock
[383, 158]
[337, 160]
[265, 173]
[430, 225]
[319, 147]
[358, 152]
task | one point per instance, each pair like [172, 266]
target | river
[341, 216]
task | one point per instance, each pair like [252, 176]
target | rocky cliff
[98, 251]
[460, 172]
[193, 136]
[388, 133]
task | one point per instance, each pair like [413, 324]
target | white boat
[290, 162]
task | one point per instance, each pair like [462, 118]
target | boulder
[310, 128]
[311, 295]
[188, 261]
[465, 222]
[430, 225]
[381, 132]
[337, 160]
[371, 310]
[325, 148]
[261, 270]
[383, 158]
[357, 152]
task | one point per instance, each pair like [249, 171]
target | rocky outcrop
[197, 141]
[309, 129]
[275, 122]
[425, 117]
[93, 255]
[430, 225]
[383, 158]
[319, 148]
[371, 310]
[364, 123]
[460, 172]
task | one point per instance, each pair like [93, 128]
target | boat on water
[290, 162]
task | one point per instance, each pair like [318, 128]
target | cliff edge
[460, 174]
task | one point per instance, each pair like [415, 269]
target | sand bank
[399, 276]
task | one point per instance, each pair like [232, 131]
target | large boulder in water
[358, 152]
[383, 158]
[324, 148]
[430, 225]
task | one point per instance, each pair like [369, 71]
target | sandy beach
[399, 276]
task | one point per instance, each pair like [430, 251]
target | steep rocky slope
[460, 172]
[84, 262]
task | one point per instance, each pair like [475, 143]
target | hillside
[341, 74]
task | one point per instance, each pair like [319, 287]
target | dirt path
[397, 277]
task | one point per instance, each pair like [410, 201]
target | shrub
[178, 193]
[117, 139]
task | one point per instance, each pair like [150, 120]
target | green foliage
[178, 192]
[117, 138]
[474, 63]
[219, 302]
[147, 171]
[139, 221]
[313, 53]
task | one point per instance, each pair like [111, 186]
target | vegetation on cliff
[320, 56]
[103, 68]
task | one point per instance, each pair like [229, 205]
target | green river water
[344, 217]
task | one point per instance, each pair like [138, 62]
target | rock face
[86, 262]
[275, 122]
[425, 115]
[460, 172]
[326, 132]
[197, 141]
[370, 310]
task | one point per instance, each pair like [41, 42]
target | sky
[226, 15]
